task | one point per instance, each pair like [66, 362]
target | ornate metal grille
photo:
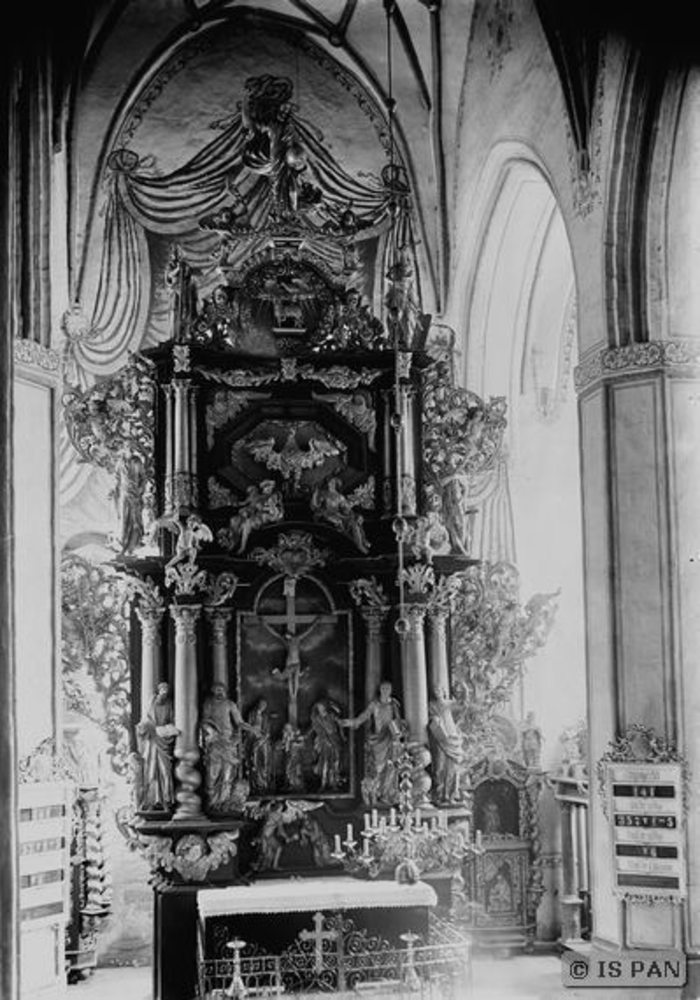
[338, 958]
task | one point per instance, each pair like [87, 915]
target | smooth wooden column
[438, 662]
[151, 653]
[414, 674]
[219, 620]
[374, 619]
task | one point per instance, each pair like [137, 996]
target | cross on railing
[318, 935]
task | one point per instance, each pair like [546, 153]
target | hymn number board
[646, 806]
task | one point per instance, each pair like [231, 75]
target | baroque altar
[292, 471]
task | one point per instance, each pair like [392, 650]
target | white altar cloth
[302, 895]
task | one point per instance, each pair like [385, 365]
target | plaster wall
[34, 591]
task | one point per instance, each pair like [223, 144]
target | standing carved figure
[383, 747]
[220, 726]
[129, 497]
[156, 733]
[447, 750]
[259, 750]
[328, 744]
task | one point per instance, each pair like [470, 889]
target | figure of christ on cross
[292, 639]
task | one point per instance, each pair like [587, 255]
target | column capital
[673, 357]
[374, 618]
[416, 615]
[185, 617]
[150, 618]
[219, 619]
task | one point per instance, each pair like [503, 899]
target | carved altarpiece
[294, 518]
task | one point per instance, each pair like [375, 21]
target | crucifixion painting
[285, 629]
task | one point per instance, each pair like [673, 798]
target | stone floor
[522, 977]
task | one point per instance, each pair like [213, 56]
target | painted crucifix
[292, 639]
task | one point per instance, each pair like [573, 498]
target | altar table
[271, 913]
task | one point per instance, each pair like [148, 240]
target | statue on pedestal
[156, 733]
[220, 726]
[383, 747]
[447, 750]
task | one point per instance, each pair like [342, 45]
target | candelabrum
[405, 839]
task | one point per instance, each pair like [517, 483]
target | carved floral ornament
[493, 635]
[192, 856]
[674, 357]
[114, 417]
[294, 555]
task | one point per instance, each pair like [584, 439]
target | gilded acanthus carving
[357, 409]
[463, 439]
[192, 856]
[294, 555]
[367, 592]
[493, 635]
[111, 426]
[225, 406]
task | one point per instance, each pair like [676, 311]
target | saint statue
[156, 733]
[447, 749]
[458, 516]
[259, 750]
[383, 747]
[220, 726]
[492, 818]
[129, 496]
[328, 743]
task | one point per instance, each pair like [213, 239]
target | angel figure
[284, 822]
[190, 536]
[262, 505]
[329, 504]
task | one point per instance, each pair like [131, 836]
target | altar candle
[392, 816]
[337, 843]
[374, 817]
[365, 849]
[349, 833]
[478, 838]
[366, 821]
